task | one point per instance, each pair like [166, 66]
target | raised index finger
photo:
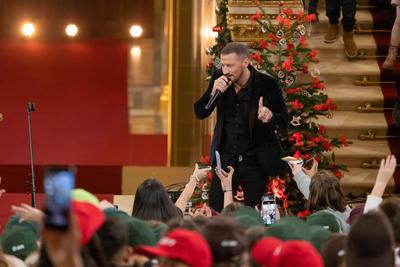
[260, 103]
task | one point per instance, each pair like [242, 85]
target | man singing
[250, 107]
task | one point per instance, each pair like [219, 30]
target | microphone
[213, 98]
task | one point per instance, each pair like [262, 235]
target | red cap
[89, 219]
[182, 245]
[273, 252]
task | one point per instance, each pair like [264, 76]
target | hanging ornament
[280, 34]
[283, 43]
[305, 93]
[264, 29]
[283, 15]
[314, 72]
[329, 114]
[281, 74]
[204, 194]
[290, 80]
[302, 29]
[217, 28]
[296, 37]
[239, 194]
[217, 63]
[295, 120]
[209, 50]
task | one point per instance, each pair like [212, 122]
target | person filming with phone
[250, 108]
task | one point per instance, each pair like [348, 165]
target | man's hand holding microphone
[220, 86]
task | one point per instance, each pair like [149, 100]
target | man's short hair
[239, 49]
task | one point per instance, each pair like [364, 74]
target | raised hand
[385, 173]
[386, 169]
[28, 213]
[201, 173]
[225, 177]
[313, 170]
[295, 167]
[264, 113]
[64, 248]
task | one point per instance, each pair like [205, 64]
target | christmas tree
[281, 50]
[223, 37]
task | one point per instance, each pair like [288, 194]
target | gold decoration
[240, 13]
[369, 108]
[365, 81]
[371, 135]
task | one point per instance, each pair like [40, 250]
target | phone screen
[58, 184]
[268, 208]
[218, 158]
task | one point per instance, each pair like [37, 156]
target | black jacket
[265, 142]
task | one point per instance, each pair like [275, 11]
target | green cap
[159, 229]
[247, 216]
[325, 220]
[140, 233]
[19, 241]
[114, 212]
[289, 228]
[319, 235]
[14, 221]
[80, 194]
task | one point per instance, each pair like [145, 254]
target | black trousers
[248, 173]
[348, 9]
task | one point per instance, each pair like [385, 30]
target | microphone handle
[212, 99]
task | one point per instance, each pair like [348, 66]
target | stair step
[321, 4]
[348, 97]
[352, 124]
[360, 151]
[365, 43]
[363, 19]
[342, 70]
[357, 181]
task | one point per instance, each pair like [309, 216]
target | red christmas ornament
[217, 28]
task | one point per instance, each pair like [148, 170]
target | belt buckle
[240, 157]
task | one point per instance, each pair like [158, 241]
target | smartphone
[188, 208]
[58, 184]
[292, 159]
[218, 158]
[268, 208]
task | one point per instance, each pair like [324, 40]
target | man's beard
[239, 77]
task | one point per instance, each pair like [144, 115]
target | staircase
[343, 79]
[354, 85]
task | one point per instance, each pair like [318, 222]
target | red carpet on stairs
[383, 20]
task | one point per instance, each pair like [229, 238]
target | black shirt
[235, 131]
